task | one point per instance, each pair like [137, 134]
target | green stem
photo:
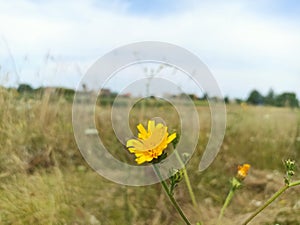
[270, 200]
[296, 183]
[226, 203]
[171, 197]
[187, 180]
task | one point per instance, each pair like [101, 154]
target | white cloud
[230, 38]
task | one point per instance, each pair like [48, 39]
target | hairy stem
[270, 200]
[171, 197]
[187, 180]
[226, 203]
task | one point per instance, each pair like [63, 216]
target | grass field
[44, 179]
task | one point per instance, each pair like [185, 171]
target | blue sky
[246, 44]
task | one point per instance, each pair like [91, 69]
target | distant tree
[270, 98]
[67, 93]
[204, 97]
[113, 95]
[288, 99]
[25, 88]
[238, 100]
[255, 98]
[193, 96]
[226, 99]
[84, 87]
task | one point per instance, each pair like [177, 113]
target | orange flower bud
[242, 171]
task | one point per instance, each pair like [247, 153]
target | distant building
[126, 95]
[105, 92]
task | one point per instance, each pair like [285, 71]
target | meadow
[45, 180]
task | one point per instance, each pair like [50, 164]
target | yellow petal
[159, 125]
[140, 160]
[142, 132]
[132, 150]
[135, 144]
[171, 137]
[151, 126]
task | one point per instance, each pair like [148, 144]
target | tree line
[286, 99]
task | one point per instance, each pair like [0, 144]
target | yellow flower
[243, 171]
[150, 143]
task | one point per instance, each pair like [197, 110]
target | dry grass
[44, 180]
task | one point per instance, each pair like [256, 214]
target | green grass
[60, 188]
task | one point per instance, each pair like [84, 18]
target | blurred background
[251, 47]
